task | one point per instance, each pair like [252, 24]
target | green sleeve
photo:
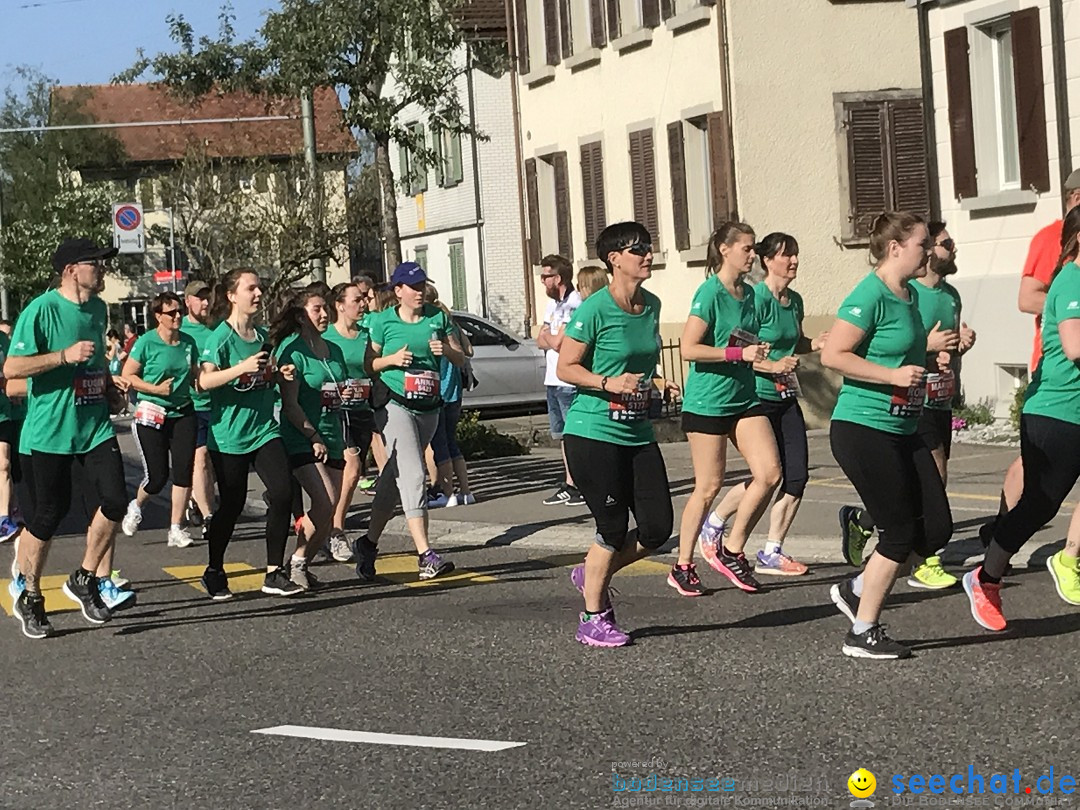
[583, 326]
[26, 339]
[859, 309]
[703, 304]
[1066, 301]
[375, 329]
[138, 351]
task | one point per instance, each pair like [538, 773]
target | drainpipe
[511, 41]
[725, 95]
[1061, 89]
[926, 66]
[479, 218]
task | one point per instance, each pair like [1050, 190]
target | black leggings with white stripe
[177, 438]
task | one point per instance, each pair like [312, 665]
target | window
[592, 192]
[597, 24]
[412, 174]
[482, 334]
[997, 106]
[883, 157]
[448, 170]
[420, 256]
[566, 29]
[552, 14]
[547, 187]
[643, 182]
[614, 19]
[459, 291]
[701, 190]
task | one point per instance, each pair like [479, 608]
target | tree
[386, 55]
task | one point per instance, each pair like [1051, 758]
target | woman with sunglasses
[878, 344]
[239, 372]
[721, 342]
[610, 351]
[312, 430]
[407, 342]
[161, 368]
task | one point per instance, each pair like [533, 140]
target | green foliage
[478, 440]
[1017, 405]
[979, 414]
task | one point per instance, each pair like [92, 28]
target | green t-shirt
[617, 342]
[318, 395]
[722, 389]
[67, 412]
[7, 408]
[242, 412]
[419, 383]
[200, 333]
[1054, 387]
[894, 337]
[160, 361]
[781, 326]
[940, 303]
[353, 350]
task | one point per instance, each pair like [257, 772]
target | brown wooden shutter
[1030, 100]
[592, 191]
[677, 162]
[532, 194]
[720, 170]
[910, 185]
[867, 164]
[650, 13]
[614, 19]
[667, 9]
[562, 205]
[565, 29]
[551, 31]
[643, 182]
[961, 124]
[521, 28]
[596, 18]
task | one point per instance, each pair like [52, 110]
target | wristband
[63, 360]
[603, 383]
[733, 354]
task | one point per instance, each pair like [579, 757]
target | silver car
[509, 369]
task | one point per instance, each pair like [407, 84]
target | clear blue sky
[90, 41]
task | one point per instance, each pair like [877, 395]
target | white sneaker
[466, 499]
[15, 559]
[179, 537]
[131, 521]
[439, 501]
[340, 548]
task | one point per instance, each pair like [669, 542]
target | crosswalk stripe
[401, 569]
[242, 577]
[55, 601]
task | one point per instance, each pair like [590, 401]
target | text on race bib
[787, 385]
[89, 386]
[330, 396]
[741, 338]
[421, 384]
[908, 401]
[637, 405]
[361, 390]
[150, 414]
[940, 387]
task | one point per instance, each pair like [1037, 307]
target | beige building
[803, 116]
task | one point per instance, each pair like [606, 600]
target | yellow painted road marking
[55, 601]
[638, 569]
[971, 496]
[242, 577]
[401, 569]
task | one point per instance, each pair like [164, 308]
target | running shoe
[8, 528]
[559, 497]
[985, 598]
[130, 524]
[853, 537]
[432, 565]
[874, 643]
[365, 552]
[932, 576]
[843, 596]
[179, 537]
[737, 569]
[30, 611]
[461, 499]
[277, 583]
[119, 581]
[368, 483]
[216, 584]
[710, 537]
[601, 631]
[779, 564]
[193, 516]
[113, 597]
[577, 577]
[340, 548]
[298, 573]
[439, 501]
[576, 498]
[1066, 577]
[83, 589]
[16, 587]
[685, 580]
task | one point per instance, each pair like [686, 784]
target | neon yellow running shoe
[1066, 576]
[932, 576]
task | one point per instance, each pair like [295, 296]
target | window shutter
[565, 29]
[562, 206]
[596, 19]
[650, 13]
[551, 31]
[419, 171]
[440, 158]
[961, 126]
[867, 162]
[592, 192]
[1030, 100]
[643, 182]
[420, 257]
[614, 19]
[667, 9]
[458, 289]
[521, 28]
[404, 181]
[532, 194]
[677, 160]
[455, 170]
[910, 176]
[720, 170]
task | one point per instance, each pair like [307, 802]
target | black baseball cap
[74, 251]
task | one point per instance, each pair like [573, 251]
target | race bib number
[256, 382]
[908, 401]
[89, 386]
[150, 414]
[635, 406]
[787, 385]
[741, 338]
[940, 387]
[330, 397]
[421, 384]
[361, 390]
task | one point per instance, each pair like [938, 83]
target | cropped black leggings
[789, 428]
[271, 464]
[176, 438]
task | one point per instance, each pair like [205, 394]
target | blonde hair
[591, 279]
[727, 234]
[891, 226]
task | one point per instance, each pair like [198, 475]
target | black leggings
[616, 480]
[899, 484]
[1050, 449]
[789, 428]
[48, 478]
[175, 437]
[271, 464]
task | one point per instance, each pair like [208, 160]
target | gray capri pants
[406, 434]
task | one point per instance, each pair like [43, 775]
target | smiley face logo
[862, 784]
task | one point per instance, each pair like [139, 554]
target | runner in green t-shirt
[196, 324]
[610, 350]
[878, 344]
[12, 397]
[161, 368]
[239, 372]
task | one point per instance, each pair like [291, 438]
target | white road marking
[375, 738]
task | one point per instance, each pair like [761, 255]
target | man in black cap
[58, 345]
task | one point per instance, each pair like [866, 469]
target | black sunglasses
[639, 248]
[948, 244]
[169, 313]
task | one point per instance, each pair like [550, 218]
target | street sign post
[128, 234]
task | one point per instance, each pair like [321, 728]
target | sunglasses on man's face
[948, 244]
[639, 249]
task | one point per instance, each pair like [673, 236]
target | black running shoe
[193, 515]
[843, 596]
[576, 498]
[559, 497]
[685, 580]
[30, 611]
[82, 588]
[277, 583]
[432, 565]
[365, 553]
[216, 584]
[737, 569]
[874, 643]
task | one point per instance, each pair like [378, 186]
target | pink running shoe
[778, 564]
[985, 598]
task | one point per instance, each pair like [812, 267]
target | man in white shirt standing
[557, 274]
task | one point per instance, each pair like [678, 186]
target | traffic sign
[128, 234]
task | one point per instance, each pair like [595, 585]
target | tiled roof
[127, 103]
[483, 19]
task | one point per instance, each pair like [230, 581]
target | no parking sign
[128, 228]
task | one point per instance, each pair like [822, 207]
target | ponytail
[292, 317]
[1070, 241]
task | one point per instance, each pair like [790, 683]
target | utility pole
[307, 115]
